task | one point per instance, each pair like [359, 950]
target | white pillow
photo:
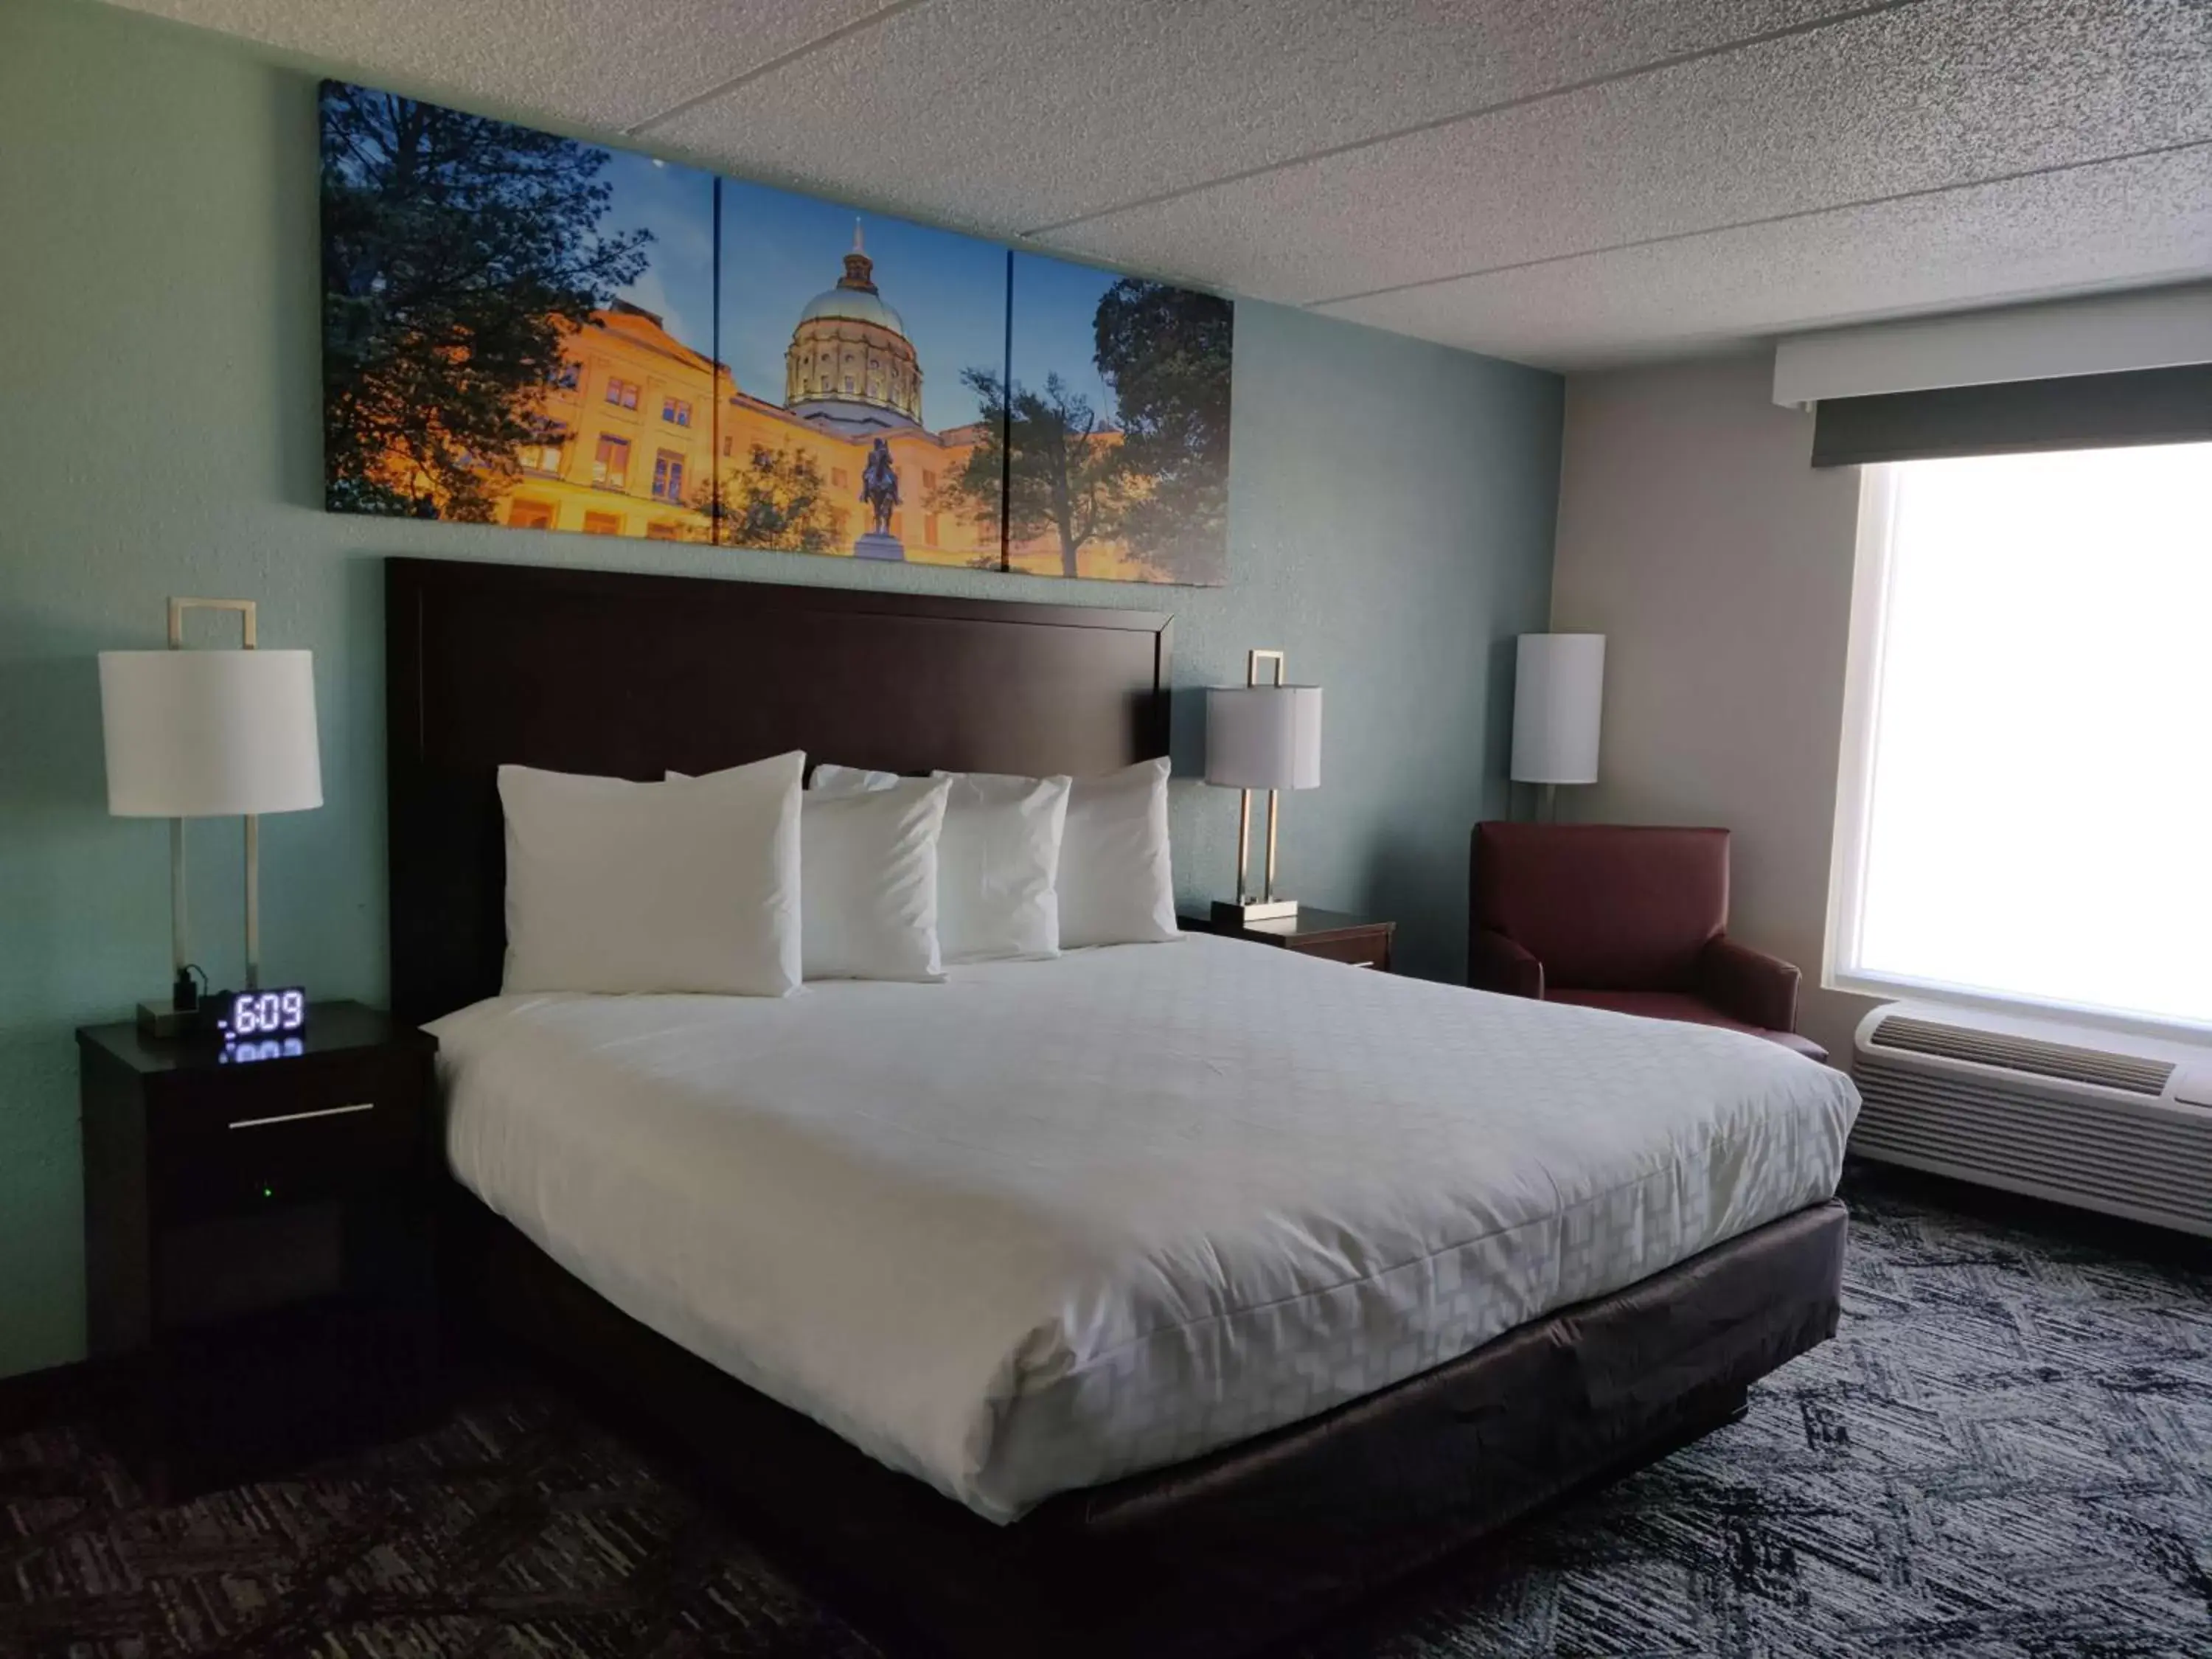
[614, 886]
[868, 880]
[997, 866]
[1116, 884]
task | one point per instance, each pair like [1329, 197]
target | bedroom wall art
[525, 330]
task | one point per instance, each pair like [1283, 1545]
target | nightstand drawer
[1357, 951]
[276, 1131]
[268, 1093]
[261, 1158]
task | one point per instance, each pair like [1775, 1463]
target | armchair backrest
[1604, 907]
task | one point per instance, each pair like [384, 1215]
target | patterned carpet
[2007, 1451]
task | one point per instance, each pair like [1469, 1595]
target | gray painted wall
[1694, 535]
[1391, 509]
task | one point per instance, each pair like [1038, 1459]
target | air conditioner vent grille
[2017, 1054]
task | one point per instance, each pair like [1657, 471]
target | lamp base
[1250, 910]
[165, 1022]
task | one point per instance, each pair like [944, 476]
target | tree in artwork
[779, 501]
[1166, 352]
[457, 252]
[1057, 461]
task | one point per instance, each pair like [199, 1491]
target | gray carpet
[2007, 1451]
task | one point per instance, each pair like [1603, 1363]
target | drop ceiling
[1570, 183]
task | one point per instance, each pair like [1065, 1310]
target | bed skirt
[1229, 1551]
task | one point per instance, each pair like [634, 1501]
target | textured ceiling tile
[594, 64]
[2121, 222]
[1932, 95]
[1008, 115]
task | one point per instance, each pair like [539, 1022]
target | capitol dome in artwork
[850, 366]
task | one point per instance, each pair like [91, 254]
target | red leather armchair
[1626, 918]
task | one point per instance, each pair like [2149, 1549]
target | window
[836, 478]
[539, 457]
[929, 529]
[928, 480]
[849, 383]
[523, 513]
[2023, 800]
[602, 524]
[668, 477]
[610, 463]
[567, 375]
[663, 530]
[623, 393]
[677, 411]
[729, 447]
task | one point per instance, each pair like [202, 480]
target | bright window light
[2024, 809]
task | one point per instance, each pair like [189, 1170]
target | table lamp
[196, 734]
[1559, 686]
[1260, 737]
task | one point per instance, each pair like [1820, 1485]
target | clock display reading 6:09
[258, 1014]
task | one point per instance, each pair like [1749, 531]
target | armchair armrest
[1495, 963]
[1749, 985]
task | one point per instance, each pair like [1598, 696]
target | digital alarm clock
[255, 1016]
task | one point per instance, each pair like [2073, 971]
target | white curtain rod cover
[2099, 334]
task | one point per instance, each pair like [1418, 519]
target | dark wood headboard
[626, 676]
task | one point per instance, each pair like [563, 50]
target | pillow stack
[997, 863]
[737, 884]
[1033, 867]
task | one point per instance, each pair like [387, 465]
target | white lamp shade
[194, 734]
[1558, 682]
[1263, 737]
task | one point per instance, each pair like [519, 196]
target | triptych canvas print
[527, 330]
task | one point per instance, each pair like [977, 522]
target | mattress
[1050, 1224]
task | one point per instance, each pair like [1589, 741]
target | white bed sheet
[1052, 1222]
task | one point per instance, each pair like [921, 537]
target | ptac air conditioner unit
[2111, 1122]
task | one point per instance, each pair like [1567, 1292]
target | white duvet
[1052, 1222]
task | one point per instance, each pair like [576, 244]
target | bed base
[1226, 1553]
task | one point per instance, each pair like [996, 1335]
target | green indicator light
[268, 1192]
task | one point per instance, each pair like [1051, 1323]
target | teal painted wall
[1391, 513]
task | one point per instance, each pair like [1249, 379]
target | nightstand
[1359, 941]
[259, 1260]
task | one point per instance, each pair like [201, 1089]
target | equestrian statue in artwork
[879, 486]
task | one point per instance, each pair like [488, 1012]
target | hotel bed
[1053, 1224]
[1158, 1297]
